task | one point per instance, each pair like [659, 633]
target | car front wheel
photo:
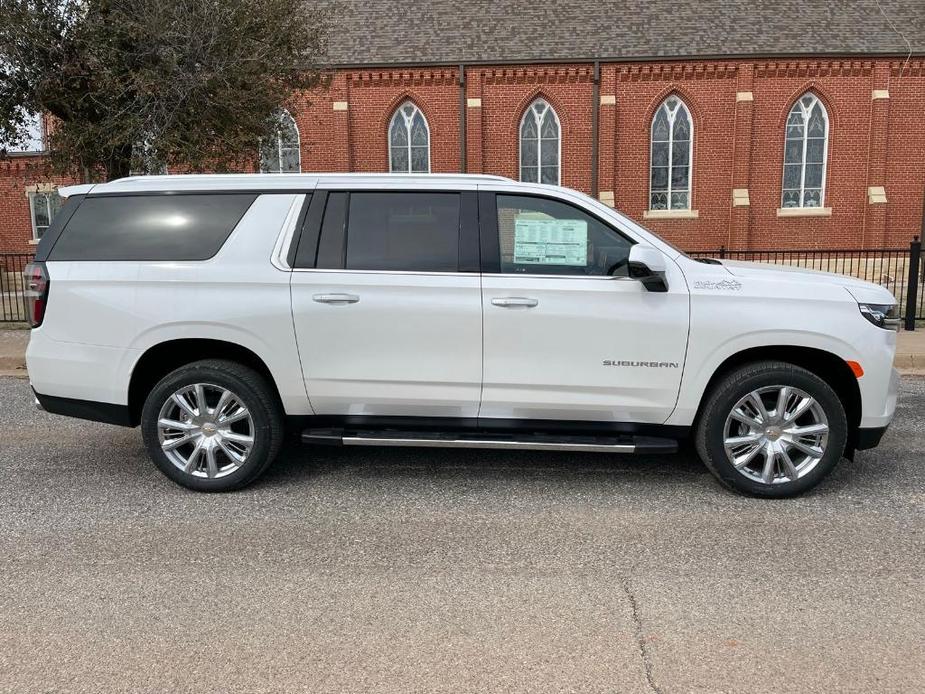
[772, 429]
[212, 425]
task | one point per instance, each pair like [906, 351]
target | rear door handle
[336, 298]
[514, 302]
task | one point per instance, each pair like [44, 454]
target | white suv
[441, 310]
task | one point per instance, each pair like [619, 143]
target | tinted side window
[403, 231]
[540, 236]
[150, 227]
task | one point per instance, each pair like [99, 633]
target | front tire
[771, 429]
[212, 425]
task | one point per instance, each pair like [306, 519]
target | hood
[860, 289]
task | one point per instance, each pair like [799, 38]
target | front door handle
[336, 298]
[514, 302]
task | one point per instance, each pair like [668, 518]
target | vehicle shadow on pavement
[298, 464]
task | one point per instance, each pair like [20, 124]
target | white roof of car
[270, 182]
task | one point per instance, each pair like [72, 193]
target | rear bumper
[85, 409]
[79, 371]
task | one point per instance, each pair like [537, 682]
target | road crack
[640, 636]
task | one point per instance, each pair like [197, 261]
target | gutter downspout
[463, 145]
[595, 118]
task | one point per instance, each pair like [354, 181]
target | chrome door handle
[514, 301]
[336, 298]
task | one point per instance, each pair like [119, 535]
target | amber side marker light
[855, 369]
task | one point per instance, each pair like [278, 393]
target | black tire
[737, 384]
[251, 389]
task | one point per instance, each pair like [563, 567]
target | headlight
[884, 316]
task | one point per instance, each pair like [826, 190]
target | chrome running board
[488, 443]
[530, 442]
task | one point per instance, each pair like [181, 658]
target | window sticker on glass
[551, 242]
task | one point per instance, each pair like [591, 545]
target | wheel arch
[160, 359]
[828, 366]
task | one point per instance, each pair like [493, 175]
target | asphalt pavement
[402, 570]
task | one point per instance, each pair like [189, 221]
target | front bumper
[872, 429]
[869, 437]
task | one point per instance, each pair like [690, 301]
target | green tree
[131, 83]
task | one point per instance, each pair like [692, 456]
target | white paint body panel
[419, 344]
[410, 346]
[102, 316]
[740, 306]
[547, 362]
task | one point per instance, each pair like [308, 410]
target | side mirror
[647, 264]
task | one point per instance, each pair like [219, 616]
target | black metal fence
[12, 302]
[897, 269]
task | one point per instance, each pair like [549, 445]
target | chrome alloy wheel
[205, 430]
[776, 434]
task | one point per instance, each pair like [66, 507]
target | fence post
[912, 288]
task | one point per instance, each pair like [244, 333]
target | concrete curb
[13, 366]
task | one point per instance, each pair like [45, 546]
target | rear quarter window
[151, 227]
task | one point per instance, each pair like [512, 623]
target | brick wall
[876, 139]
[17, 176]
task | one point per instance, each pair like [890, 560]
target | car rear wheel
[212, 425]
[772, 429]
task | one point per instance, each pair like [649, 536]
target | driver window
[540, 236]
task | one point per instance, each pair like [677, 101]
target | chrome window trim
[606, 278]
[279, 257]
[341, 271]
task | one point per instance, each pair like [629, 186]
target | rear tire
[771, 429]
[212, 425]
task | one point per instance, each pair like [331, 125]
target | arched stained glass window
[280, 151]
[806, 147]
[540, 144]
[672, 152]
[409, 141]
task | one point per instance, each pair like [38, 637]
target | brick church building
[790, 124]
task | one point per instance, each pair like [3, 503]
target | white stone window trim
[806, 112]
[530, 112]
[660, 214]
[408, 120]
[677, 213]
[282, 113]
[804, 212]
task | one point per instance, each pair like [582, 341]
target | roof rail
[314, 174]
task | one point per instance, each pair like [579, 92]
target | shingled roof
[435, 32]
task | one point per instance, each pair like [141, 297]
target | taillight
[36, 294]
